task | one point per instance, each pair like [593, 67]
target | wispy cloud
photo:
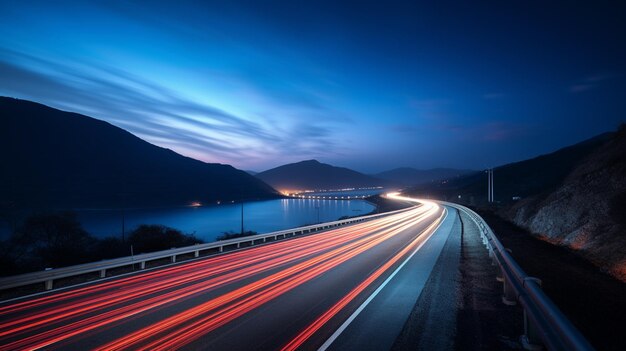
[162, 116]
[492, 131]
[589, 83]
[493, 96]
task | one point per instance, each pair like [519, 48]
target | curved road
[293, 294]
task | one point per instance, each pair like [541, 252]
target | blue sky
[380, 85]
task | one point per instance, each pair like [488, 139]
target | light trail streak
[195, 331]
[216, 271]
[138, 280]
[300, 273]
[280, 257]
[341, 304]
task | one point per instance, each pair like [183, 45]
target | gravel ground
[483, 321]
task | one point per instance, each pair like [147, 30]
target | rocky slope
[587, 212]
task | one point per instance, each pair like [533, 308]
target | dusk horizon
[322, 159]
[246, 84]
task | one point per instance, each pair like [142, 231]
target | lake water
[209, 222]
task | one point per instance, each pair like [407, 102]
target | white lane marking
[371, 297]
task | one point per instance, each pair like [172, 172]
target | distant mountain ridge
[519, 179]
[58, 159]
[408, 176]
[314, 175]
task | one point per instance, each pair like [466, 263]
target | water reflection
[209, 222]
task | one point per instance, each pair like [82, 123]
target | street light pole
[489, 172]
[241, 217]
[123, 226]
[490, 197]
[318, 213]
[488, 186]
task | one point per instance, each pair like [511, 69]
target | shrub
[148, 238]
[51, 240]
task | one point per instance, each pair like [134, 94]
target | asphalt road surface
[337, 289]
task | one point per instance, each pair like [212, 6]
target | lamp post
[123, 226]
[122, 196]
[317, 207]
[490, 197]
[241, 217]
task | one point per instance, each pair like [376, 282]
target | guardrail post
[196, 253]
[142, 265]
[531, 340]
[492, 255]
[221, 249]
[509, 298]
[103, 273]
[499, 273]
[173, 258]
[49, 284]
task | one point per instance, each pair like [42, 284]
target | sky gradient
[376, 86]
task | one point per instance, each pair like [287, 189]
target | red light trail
[203, 295]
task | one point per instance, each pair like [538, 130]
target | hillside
[407, 176]
[57, 159]
[587, 212]
[313, 175]
[541, 174]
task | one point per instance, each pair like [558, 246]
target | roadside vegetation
[233, 235]
[53, 240]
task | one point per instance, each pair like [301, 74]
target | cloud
[404, 128]
[499, 131]
[160, 115]
[493, 96]
[589, 83]
[579, 88]
[492, 131]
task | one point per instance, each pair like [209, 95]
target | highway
[299, 293]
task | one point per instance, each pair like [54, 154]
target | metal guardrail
[544, 324]
[48, 276]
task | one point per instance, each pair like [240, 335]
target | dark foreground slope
[314, 175]
[52, 158]
[587, 212]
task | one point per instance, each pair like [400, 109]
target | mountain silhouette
[407, 176]
[314, 175]
[56, 159]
